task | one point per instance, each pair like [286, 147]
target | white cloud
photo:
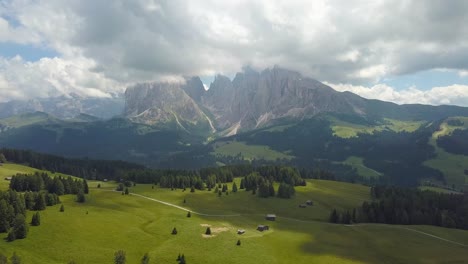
[453, 94]
[48, 77]
[339, 41]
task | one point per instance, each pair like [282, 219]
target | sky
[402, 51]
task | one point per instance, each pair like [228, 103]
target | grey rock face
[255, 99]
[156, 103]
[249, 101]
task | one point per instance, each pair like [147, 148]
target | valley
[138, 225]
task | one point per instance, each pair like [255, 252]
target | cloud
[357, 42]
[48, 77]
[453, 94]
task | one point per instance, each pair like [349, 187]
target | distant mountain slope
[65, 107]
[117, 138]
[163, 103]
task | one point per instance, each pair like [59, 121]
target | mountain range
[273, 116]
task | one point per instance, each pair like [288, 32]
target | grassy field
[249, 151]
[362, 170]
[109, 221]
[347, 130]
[451, 165]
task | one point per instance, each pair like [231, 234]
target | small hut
[309, 202]
[262, 228]
[302, 205]
[270, 217]
[240, 231]
[7, 178]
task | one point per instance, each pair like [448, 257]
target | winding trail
[296, 220]
[182, 208]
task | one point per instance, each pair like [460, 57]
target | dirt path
[182, 208]
[293, 219]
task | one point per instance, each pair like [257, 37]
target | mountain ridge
[254, 99]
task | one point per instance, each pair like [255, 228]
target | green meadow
[233, 148]
[347, 130]
[451, 165]
[109, 221]
[362, 170]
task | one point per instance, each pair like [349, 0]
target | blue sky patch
[27, 52]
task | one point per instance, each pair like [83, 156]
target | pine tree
[2, 158]
[99, 185]
[242, 184]
[15, 259]
[80, 197]
[11, 236]
[39, 202]
[174, 231]
[4, 218]
[334, 217]
[346, 219]
[220, 193]
[85, 187]
[234, 187]
[189, 214]
[238, 242]
[58, 187]
[208, 231]
[182, 259]
[120, 257]
[20, 227]
[126, 191]
[271, 189]
[145, 259]
[192, 189]
[62, 208]
[36, 219]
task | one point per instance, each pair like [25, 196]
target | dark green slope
[112, 139]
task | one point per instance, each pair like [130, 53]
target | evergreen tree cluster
[404, 206]
[42, 181]
[82, 168]
[263, 185]
[133, 173]
[38, 201]
[12, 208]
[286, 190]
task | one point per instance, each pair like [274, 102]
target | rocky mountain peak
[251, 100]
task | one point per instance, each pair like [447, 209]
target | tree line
[170, 178]
[43, 181]
[406, 206]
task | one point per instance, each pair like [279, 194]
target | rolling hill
[141, 223]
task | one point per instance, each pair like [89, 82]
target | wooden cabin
[270, 217]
